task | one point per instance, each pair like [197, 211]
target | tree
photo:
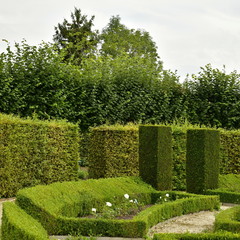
[213, 98]
[76, 38]
[117, 38]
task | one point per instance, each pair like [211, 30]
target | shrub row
[57, 206]
[229, 152]
[228, 220]
[36, 152]
[17, 224]
[198, 236]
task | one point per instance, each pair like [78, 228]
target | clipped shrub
[230, 155]
[59, 205]
[17, 224]
[202, 160]
[155, 156]
[36, 152]
[113, 151]
[197, 236]
[228, 220]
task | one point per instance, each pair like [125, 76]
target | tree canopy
[76, 38]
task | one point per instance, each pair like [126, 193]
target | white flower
[94, 210]
[108, 204]
[160, 197]
[135, 201]
[167, 195]
[165, 199]
[131, 201]
[126, 196]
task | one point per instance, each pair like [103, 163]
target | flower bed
[59, 205]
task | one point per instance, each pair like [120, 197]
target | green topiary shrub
[17, 224]
[113, 151]
[202, 160]
[34, 152]
[155, 156]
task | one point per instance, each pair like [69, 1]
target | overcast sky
[189, 33]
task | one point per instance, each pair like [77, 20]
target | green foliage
[228, 220]
[34, 81]
[213, 98]
[117, 38]
[230, 158]
[17, 224]
[57, 206]
[34, 152]
[76, 39]
[113, 151]
[155, 156]
[197, 236]
[229, 187]
[202, 160]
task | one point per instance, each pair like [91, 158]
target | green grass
[230, 182]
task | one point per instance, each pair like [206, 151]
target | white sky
[189, 33]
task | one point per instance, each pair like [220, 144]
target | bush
[113, 151]
[57, 206]
[17, 224]
[228, 220]
[202, 160]
[34, 152]
[155, 156]
[198, 236]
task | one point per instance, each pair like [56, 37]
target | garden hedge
[228, 220]
[229, 188]
[36, 152]
[202, 160]
[113, 152]
[197, 236]
[155, 156]
[229, 153]
[17, 224]
[61, 207]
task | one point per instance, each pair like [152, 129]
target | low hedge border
[50, 206]
[198, 236]
[17, 224]
[225, 195]
[228, 220]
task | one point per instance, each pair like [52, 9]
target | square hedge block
[155, 156]
[202, 160]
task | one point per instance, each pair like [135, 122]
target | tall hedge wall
[34, 152]
[229, 152]
[113, 152]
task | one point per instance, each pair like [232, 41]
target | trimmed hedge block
[17, 224]
[155, 156]
[36, 152]
[202, 160]
[113, 152]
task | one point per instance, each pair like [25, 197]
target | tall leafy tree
[117, 38]
[76, 38]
